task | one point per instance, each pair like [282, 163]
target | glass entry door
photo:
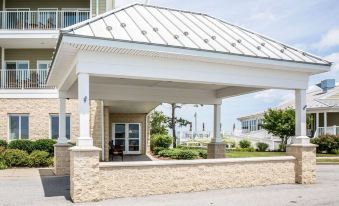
[127, 135]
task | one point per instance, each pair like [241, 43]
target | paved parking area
[37, 187]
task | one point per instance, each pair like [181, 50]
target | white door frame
[126, 151]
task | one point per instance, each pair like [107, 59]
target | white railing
[23, 78]
[40, 20]
[332, 130]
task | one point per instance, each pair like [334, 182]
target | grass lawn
[327, 155]
[253, 154]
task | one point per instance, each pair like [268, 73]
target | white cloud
[334, 57]
[330, 39]
[273, 95]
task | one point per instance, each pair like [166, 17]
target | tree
[158, 123]
[281, 123]
[173, 121]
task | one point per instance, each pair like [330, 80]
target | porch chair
[116, 150]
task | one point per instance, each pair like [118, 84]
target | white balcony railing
[332, 130]
[23, 78]
[40, 20]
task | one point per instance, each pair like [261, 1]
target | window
[19, 69]
[18, 126]
[54, 130]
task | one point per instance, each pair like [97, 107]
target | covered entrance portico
[131, 76]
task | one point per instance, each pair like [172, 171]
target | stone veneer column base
[61, 159]
[216, 150]
[84, 174]
[305, 166]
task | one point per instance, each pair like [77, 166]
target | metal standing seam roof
[139, 23]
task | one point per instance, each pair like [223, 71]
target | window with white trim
[18, 126]
[54, 126]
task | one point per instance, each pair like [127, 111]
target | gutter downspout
[102, 131]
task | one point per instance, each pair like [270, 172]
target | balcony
[332, 130]
[23, 79]
[41, 20]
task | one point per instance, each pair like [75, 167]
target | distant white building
[322, 104]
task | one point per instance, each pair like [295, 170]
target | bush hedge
[160, 140]
[327, 144]
[39, 159]
[156, 150]
[15, 158]
[24, 145]
[3, 143]
[182, 154]
[262, 147]
[245, 143]
[46, 145]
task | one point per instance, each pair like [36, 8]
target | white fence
[23, 78]
[333, 130]
[40, 20]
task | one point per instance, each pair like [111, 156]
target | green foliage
[158, 123]
[187, 154]
[160, 140]
[3, 143]
[327, 143]
[245, 143]
[281, 123]
[2, 165]
[25, 145]
[202, 153]
[39, 159]
[156, 150]
[46, 145]
[15, 158]
[262, 147]
[176, 153]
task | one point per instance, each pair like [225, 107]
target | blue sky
[310, 25]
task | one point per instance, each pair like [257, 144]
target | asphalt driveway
[37, 187]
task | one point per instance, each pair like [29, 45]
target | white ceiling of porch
[152, 83]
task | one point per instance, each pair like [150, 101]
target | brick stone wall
[39, 111]
[131, 179]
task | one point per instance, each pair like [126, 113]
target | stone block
[305, 164]
[216, 150]
[61, 159]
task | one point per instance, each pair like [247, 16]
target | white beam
[317, 120]
[84, 111]
[325, 120]
[216, 124]
[300, 117]
[62, 121]
[181, 70]
[149, 94]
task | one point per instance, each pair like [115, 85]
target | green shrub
[39, 159]
[46, 145]
[156, 150]
[3, 143]
[172, 153]
[15, 158]
[25, 145]
[202, 153]
[187, 155]
[245, 143]
[326, 143]
[160, 140]
[183, 154]
[262, 147]
[3, 165]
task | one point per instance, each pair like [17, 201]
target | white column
[325, 120]
[317, 120]
[300, 117]
[84, 111]
[62, 121]
[216, 127]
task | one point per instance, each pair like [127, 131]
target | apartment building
[29, 109]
